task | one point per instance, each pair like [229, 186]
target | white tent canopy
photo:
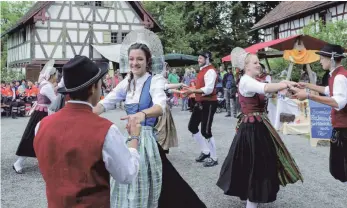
[111, 52]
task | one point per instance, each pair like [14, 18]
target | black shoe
[210, 162]
[202, 157]
[167, 151]
[17, 171]
[228, 115]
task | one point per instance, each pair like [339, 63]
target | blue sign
[320, 120]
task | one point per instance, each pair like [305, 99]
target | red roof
[282, 44]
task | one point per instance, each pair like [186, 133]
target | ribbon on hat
[333, 63]
[47, 71]
[151, 40]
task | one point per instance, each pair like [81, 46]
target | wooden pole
[268, 69]
[310, 74]
[290, 69]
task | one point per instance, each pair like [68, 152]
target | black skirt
[257, 164]
[26, 145]
[175, 191]
[338, 154]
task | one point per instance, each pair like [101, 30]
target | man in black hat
[336, 97]
[78, 150]
[204, 109]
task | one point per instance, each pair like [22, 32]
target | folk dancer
[256, 144]
[77, 151]
[336, 97]
[158, 183]
[204, 110]
[45, 97]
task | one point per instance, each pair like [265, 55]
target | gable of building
[287, 10]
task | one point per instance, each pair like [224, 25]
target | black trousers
[338, 154]
[203, 112]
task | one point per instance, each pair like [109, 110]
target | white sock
[251, 204]
[212, 146]
[202, 143]
[19, 162]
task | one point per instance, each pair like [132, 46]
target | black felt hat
[81, 72]
[206, 54]
[330, 50]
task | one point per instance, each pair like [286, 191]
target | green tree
[169, 15]
[11, 12]
[331, 32]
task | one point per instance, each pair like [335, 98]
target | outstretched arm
[109, 102]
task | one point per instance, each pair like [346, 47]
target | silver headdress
[238, 57]
[47, 71]
[148, 38]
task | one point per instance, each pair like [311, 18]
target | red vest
[68, 147]
[338, 118]
[252, 104]
[200, 82]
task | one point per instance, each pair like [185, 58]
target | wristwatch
[133, 137]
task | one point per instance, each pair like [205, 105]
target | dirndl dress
[258, 161]
[26, 145]
[158, 183]
[166, 130]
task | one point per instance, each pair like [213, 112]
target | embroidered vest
[338, 118]
[200, 82]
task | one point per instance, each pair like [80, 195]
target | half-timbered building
[289, 17]
[63, 29]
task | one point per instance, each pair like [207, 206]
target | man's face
[17, 84]
[3, 85]
[201, 61]
[96, 93]
[30, 84]
[325, 62]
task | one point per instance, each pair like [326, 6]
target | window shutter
[107, 37]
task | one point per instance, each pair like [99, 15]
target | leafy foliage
[11, 12]
[331, 32]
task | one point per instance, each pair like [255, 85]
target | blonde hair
[248, 58]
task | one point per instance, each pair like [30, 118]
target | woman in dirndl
[166, 129]
[258, 161]
[158, 183]
[45, 97]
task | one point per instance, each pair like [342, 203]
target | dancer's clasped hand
[134, 123]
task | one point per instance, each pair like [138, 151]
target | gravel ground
[319, 189]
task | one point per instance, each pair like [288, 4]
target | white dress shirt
[120, 93]
[339, 90]
[248, 86]
[120, 161]
[210, 80]
[48, 90]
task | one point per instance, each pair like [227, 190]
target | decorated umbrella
[176, 59]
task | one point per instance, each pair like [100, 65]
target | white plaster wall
[42, 33]
[59, 52]
[99, 36]
[83, 35]
[38, 52]
[75, 14]
[73, 35]
[49, 49]
[56, 24]
[100, 26]
[54, 11]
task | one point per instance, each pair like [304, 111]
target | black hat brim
[104, 69]
[322, 53]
